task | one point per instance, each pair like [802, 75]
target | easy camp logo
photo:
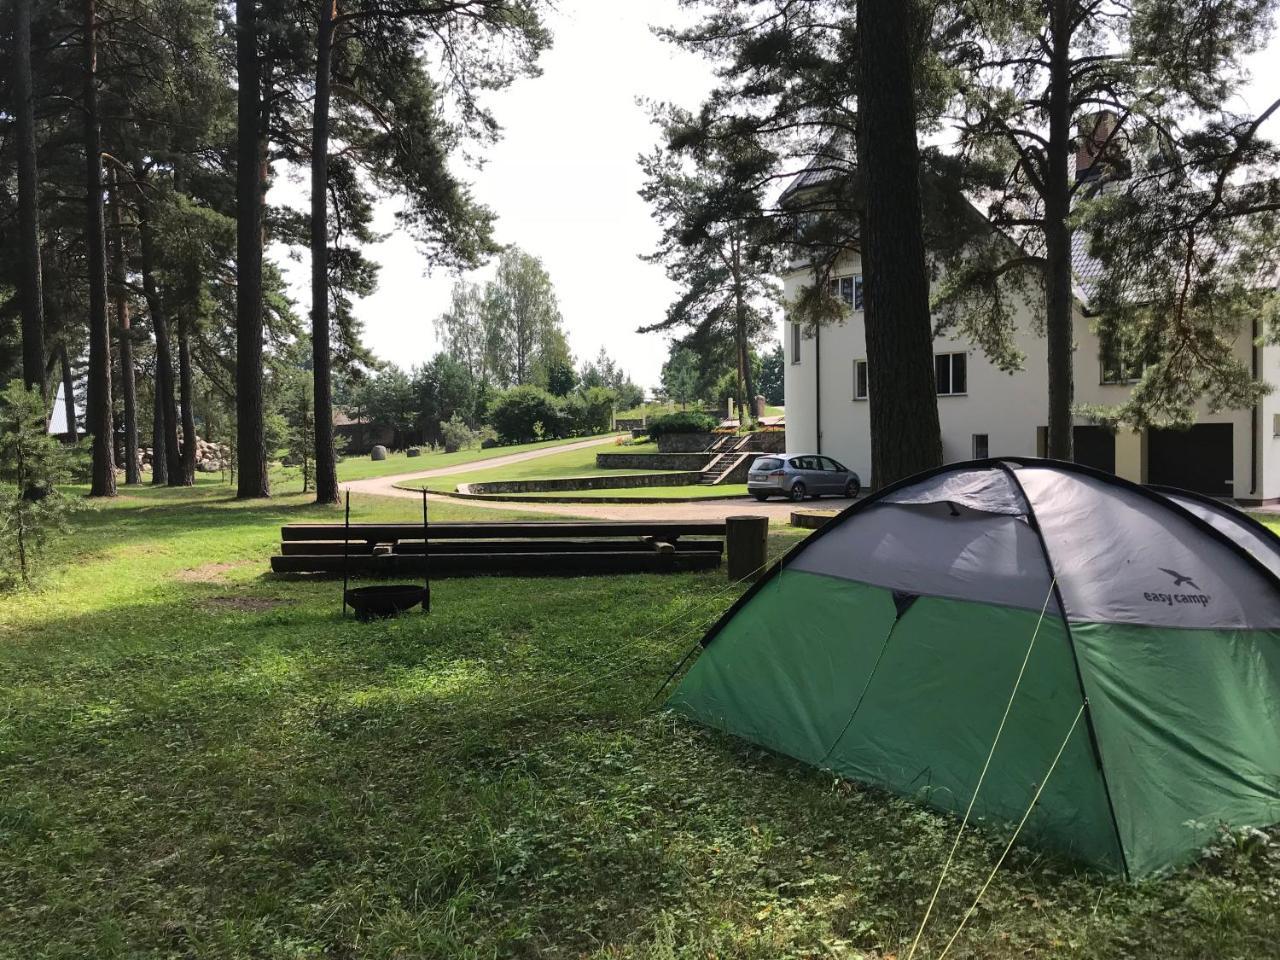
[1199, 598]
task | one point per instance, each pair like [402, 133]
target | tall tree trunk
[905, 434]
[160, 327]
[128, 383]
[326, 472]
[99, 407]
[746, 383]
[1057, 235]
[159, 463]
[30, 292]
[186, 390]
[250, 440]
[68, 394]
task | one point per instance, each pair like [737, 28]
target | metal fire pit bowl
[390, 600]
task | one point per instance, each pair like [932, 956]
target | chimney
[1094, 130]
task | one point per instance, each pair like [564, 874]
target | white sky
[563, 183]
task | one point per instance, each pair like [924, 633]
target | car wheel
[762, 497]
[852, 489]
[798, 492]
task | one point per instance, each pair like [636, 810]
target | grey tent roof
[1034, 533]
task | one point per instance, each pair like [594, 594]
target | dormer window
[847, 289]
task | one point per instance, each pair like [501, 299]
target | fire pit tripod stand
[380, 601]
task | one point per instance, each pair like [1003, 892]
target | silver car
[800, 476]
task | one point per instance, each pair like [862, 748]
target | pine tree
[32, 463]
[1037, 82]
[30, 284]
[718, 245]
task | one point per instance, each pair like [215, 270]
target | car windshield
[768, 463]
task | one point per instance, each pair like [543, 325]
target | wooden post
[746, 542]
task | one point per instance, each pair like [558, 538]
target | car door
[811, 471]
[832, 478]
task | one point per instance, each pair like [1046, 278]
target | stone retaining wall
[630, 482]
[652, 461]
[762, 441]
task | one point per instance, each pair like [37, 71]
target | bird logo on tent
[1180, 578]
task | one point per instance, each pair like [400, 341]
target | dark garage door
[1198, 459]
[1095, 447]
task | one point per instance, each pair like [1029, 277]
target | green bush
[32, 463]
[682, 421]
[456, 435]
[524, 414]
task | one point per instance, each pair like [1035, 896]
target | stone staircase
[729, 455]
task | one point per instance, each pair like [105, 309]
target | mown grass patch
[186, 777]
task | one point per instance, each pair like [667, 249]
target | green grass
[198, 760]
[571, 463]
[362, 468]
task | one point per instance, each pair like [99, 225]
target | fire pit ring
[384, 600]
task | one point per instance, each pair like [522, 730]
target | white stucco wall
[1008, 408]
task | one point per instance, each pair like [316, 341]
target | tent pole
[1075, 659]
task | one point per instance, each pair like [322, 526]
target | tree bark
[159, 463]
[30, 287]
[251, 451]
[187, 461]
[326, 471]
[1057, 208]
[128, 382]
[68, 394]
[99, 407]
[905, 433]
[160, 327]
[742, 346]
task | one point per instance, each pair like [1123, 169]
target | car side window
[797, 463]
[830, 465]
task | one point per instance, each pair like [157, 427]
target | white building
[986, 412]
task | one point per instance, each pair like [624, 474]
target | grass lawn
[571, 463]
[360, 467]
[197, 760]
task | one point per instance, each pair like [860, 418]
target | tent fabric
[1124, 557]
[1261, 543]
[972, 556]
[885, 647]
[991, 491]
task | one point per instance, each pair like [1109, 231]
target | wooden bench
[534, 548]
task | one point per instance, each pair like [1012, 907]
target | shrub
[592, 410]
[684, 421]
[31, 464]
[456, 435]
[526, 413]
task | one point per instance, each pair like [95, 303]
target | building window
[795, 342]
[981, 446]
[859, 379]
[848, 290]
[1121, 360]
[950, 374]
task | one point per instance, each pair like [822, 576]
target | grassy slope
[362, 468]
[199, 760]
[579, 463]
[571, 463]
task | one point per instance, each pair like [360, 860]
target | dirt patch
[245, 604]
[207, 572]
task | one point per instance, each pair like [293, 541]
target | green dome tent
[885, 648]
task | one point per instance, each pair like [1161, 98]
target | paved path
[688, 510]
